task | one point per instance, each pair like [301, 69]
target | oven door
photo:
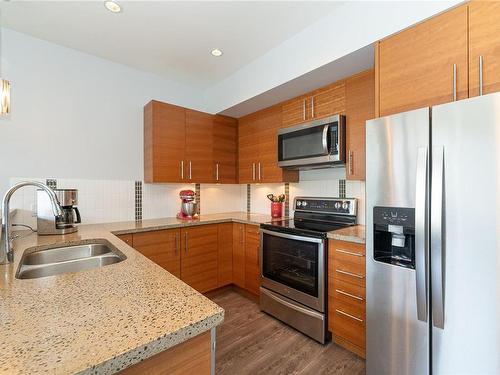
[294, 266]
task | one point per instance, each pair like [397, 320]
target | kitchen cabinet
[258, 149]
[324, 102]
[198, 147]
[422, 65]
[164, 142]
[225, 149]
[225, 254]
[484, 43]
[127, 238]
[360, 107]
[239, 254]
[199, 261]
[162, 247]
[347, 295]
[252, 265]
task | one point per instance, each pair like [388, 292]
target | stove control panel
[343, 206]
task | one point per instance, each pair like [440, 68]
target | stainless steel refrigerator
[433, 248]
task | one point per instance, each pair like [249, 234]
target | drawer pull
[350, 274]
[349, 252]
[349, 295]
[349, 315]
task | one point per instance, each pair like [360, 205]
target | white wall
[75, 115]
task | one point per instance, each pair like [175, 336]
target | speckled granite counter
[104, 319]
[356, 234]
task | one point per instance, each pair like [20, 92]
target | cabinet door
[225, 151]
[248, 149]
[360, 106]
[328, 101]
[294, 111]
[484, 40]
[199, 153]
[200, 257]
[239, 254]
[162, 247]
[268, 123]
[164, 142]
[127, 238]
[225, 261]
[415, 67]
[252, 265]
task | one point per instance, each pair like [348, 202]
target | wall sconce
[4, 97]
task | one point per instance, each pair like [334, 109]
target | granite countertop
[104, 319]
[355, 233]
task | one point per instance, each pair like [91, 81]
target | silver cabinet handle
[253, 171]
[185, 242]
[304, 110]
[190, 171]
[349, 315]
[480, 75]
[351, 168]
[454, 82]
[421, 245]
[259, 172]
[312, 106]
[437, 243]
[182, 169]
[349, 295]
[217, 172]
[350, 274]
[349, 252]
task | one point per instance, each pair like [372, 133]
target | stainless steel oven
[316, 144]
[294, 266]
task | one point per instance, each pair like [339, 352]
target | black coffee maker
[47, 223]
[394, 236]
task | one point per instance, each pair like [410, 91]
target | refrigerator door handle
[421, 245]
[437, 204]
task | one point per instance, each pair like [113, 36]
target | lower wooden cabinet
[252, 266]
[162, 247]
[347, 295]
[239, 254]
[206, 256]
[199, 260]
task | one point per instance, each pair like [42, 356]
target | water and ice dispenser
[394, 236]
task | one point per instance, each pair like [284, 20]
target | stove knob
[337, 205]
[299, 203]
[345, 205]
[304, 203]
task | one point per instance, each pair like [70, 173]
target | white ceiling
[171, 39]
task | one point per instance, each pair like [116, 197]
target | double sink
[62, 259]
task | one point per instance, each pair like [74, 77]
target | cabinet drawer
[352, 310]
[348, 326]
[347, 271]
[347, 293]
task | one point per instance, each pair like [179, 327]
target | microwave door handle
[325, 139]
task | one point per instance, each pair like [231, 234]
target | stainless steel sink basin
[63, 259]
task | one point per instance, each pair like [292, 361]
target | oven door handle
[292, 306]
[292, 236]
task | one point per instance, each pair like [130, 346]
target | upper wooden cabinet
[484, 43]
[183, 145]
[320, 103]
[164, 142]
[415, 67]
[258, 149]
[225, 149]
[360, 107]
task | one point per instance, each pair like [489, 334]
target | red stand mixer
[189, 207]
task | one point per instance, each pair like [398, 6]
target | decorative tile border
[249, 197]
[197, 190]
[342, 189]
[287, 199]
[138, 200]
[51, 183]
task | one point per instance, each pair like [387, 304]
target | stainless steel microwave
[315, 144]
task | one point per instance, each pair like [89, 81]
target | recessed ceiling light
[112, 6]
[216, 52]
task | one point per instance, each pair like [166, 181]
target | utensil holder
[276, 209]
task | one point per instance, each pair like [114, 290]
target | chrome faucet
[6, 252]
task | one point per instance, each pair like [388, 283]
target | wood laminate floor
[252, 342]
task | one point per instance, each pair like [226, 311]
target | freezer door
[465, 228]
[396, 151]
